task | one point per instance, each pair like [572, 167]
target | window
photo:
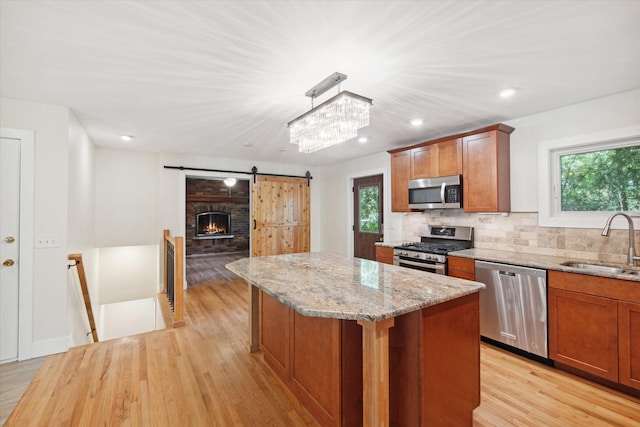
[583, 179]
[600, 180]
[369, 209]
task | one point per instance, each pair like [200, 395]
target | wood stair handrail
[178, 276]
[77, 258]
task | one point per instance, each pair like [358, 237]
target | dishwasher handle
[507, 273]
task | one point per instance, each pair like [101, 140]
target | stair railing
[174, 276]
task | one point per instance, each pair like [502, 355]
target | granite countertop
[546, 262]
[323, 284]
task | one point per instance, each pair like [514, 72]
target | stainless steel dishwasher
[513, 307]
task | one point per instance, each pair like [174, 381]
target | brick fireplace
[223, 214]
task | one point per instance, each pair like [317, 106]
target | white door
[9, 247]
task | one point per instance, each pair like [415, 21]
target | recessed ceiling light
[362, 139]
[508, 92]
[416, 122]
[126, 138]
[247, 144]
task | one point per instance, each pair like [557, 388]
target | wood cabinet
[305, 353]
[320, 361]
[462, 268]
[583, 332]
[384, 254]
[400, 173]
[629, 343]
[486, 171]
[437, 159]
[481, 156]
[594, 326]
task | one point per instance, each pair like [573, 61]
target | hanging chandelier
[332, 122]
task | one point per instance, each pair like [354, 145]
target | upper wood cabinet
[481, 156]
[486, 172]
[438, 159]
[400, 172]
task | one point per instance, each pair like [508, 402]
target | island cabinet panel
[384, 254]
[275, 318]
[629, 343]
[486, 172]
[315, 366]
[434, 363]
[462, 268]
[583, 332]
[451, 362]
[400, 173]
[319, 359]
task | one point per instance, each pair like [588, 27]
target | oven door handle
[442, 192]
[437, 267]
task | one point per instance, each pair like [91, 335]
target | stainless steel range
[430, 253]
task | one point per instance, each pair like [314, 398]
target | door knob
[8, 262]
[10, 239]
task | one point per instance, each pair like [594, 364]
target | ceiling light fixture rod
[331, 81]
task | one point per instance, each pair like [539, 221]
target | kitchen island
[364, 343]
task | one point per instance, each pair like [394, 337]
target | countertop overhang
[329, 285]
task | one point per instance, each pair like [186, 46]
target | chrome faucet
[607, 229]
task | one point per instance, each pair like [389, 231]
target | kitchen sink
[601, 268]
[594, 267]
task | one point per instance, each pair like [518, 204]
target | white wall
[128, 273]
[332, 192]
[612, 112]
[50, 124]
[126, 196]
[81, 233]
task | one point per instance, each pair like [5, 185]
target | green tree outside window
[605, 180]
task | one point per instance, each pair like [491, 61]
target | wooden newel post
[375, 371]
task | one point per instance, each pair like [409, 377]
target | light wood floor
[202, 374]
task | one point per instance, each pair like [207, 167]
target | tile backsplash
[519, 232]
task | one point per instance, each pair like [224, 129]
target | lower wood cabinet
[594, 326]
[629, 343]
[434, 363]
[583, 332]
[462, 268]
[384, 254]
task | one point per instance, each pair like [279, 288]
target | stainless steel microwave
[443, 192]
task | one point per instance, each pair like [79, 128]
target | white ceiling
[224, 78]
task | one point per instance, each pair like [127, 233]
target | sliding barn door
[280, 212]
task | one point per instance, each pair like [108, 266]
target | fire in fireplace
[213, 225]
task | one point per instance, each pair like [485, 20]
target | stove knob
[416, 255]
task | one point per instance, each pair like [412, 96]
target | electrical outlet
[47, 242]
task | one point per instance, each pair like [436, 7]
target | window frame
[549, 153]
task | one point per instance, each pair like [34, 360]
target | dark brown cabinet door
[629, 343]
[368, 216]
[583, 332]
